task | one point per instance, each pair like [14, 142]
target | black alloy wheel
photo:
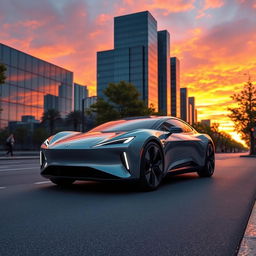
[208, 169]
[152, 167]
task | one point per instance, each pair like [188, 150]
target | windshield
[126, 125]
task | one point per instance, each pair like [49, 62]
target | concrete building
[164, 88]
[28, 80]
[206, 122]
[80, 92]
[192, 110]
[27, 122]
[184, 104]
[51, 102]
[88, 101]
[134, 57]
[175, 86]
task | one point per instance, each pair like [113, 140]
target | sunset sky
[214, 39]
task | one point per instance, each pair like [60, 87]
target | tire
[62, 181]
[152, 167]
[208, 169]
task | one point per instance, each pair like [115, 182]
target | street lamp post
[83, 100]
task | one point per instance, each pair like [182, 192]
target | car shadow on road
[121, 187]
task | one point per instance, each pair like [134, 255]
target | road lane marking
[16, 166]
[42, 182]
[2, 187]
[17, 169]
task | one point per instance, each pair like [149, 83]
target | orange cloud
[213, 4]
[215, 41]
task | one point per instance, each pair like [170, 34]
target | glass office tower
[175, 86]
[164, 87]
[184, 104]
[134, 57]
[80, 93]
[29, 80]
[192, 110]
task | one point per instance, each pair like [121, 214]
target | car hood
[83, 140]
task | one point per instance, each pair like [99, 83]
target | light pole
[83, 100]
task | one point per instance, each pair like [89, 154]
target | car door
[181, 149]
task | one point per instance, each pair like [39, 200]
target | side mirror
[175, 129]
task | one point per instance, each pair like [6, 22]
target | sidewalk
[248, 244]
[19, 155]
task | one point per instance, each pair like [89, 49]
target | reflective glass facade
[134, 57]
[29, 80]
[164, 87]
[175, 87]
[80, 93]
[192, 110]
[184, 104]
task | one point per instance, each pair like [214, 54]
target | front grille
[77, 172]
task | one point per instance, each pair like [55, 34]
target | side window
[170, 123]
[188, 128]
[165, 126]
[177, 123]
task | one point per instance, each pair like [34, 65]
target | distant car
[142, 149]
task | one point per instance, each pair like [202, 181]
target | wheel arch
[157, 141]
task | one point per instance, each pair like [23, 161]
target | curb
[19, 157]
[252, 156]
[248, 244]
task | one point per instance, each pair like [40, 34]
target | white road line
[2, 187]
[17, 169]
[42, 182]
[17, 165]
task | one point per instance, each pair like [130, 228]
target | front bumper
[86, 164]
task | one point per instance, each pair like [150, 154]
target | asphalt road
[187, 215]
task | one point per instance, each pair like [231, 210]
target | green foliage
[244, 115]
[50, 117]
[39, 136]
[74, 118]
[2, 80]
[20, 135]
[122, 101]
[3, 136]
[223, 141]
[2, 73]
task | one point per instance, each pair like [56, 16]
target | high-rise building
[175, 86]
[28, 80]
[206, 122]
[88, 101]
[184, 104]
[191, 107]
[134, 57]
[164, 88]
[51, 102]
[80, 92]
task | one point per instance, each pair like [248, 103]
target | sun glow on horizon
[215, 41]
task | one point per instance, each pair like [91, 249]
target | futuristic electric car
[142, 149]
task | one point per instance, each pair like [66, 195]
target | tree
[74, 117]
[244, 115]
[2, 73]
[223, 141]
[39, 136]
[2, 80]
[122, 101]
[50, 117]
[20, 135]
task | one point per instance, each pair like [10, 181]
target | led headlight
[118, 141]
[46, 143]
